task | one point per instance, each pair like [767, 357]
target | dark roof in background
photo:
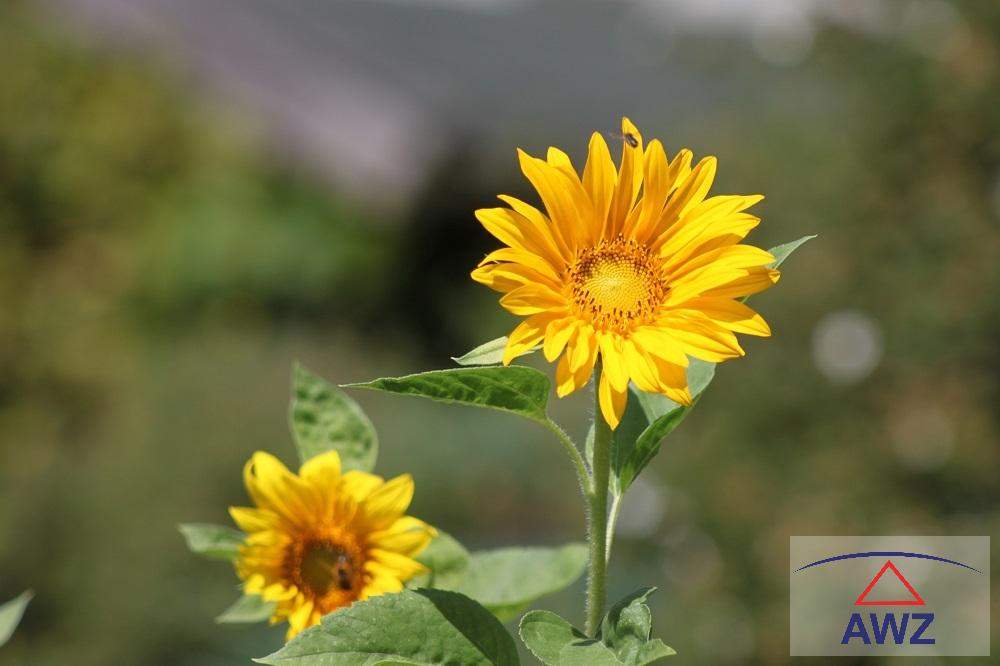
[366, 91]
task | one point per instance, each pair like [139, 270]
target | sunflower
[321, 540]
[635, 265]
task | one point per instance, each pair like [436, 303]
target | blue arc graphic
[886, 553]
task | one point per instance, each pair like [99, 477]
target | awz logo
[890, 626]
[889, 596]
[887, 626]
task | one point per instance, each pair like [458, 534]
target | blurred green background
[194, 195]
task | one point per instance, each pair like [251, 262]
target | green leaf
[212, 541]
[421, 627]
[782, 252]
[648, 418]
[323, 418]
[507, 580]
[448, 561]
[555, 642]
[248, 608]
[515, 389]
[623, 640]
[627, 628]
[11, 614]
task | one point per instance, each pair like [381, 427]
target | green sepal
[324, 418]
[11, 613]
[249, 608]
[216, 542]
[415, 627]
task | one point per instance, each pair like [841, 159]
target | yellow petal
[730, 314]
[613, 360]
[629, 179]
[531, 299]
[656, 187]
[536, 262]
[581, 347]
[358, 485]
[254, 520]
[272, 486]
[407, 535]
[527, 335]
[659, 342]
[599, 179]
[388, 502]
[701, 339]
[612, 402]
[752, 281]
[384, 562]
[557, 334]
[553, 187]
[689, 194]
[322, 471]
[541, 224]
[519, 232]
[381, 584]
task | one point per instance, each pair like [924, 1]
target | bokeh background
[195, 194]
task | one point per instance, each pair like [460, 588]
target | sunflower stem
[598, 515]
[582, 475]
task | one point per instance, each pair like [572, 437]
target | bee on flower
[320, 540]
[636, 266]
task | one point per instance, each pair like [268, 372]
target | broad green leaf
[782, 252]
[421, 627]
[322, 418]
[515, 389]
[212, 541]
[649, 417]
[626, 631]
[11, 614]
[248, 608]
[555, 642]
[507, 580]
[447, 560]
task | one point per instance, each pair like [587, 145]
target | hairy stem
[616, 507]
[597, 532]
[582, 476]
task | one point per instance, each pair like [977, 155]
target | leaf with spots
[323, 418]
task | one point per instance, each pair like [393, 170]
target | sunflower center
[616, 284]
[329, 571]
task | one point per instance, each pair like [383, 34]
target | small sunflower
[321, 540]
[636, 265]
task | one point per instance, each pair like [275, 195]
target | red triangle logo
[915, 600]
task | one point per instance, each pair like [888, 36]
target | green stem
[597, 532]
[616, 507]
[582, 476]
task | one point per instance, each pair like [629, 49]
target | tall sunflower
[636, 265]
[321, 540]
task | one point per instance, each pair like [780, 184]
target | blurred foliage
[160, 270]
